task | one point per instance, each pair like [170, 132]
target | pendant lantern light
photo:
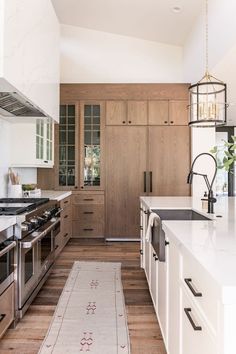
[208, 107]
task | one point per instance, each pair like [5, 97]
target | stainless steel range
[38, 222]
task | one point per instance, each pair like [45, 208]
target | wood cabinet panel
[83, 229]
[178, 112]
[115, 112]
[6, 308]
[137, 112]
[88, 213]
[158, 112]
[125, 165]
[90, 198]
[169, 160]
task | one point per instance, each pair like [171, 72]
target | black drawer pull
[66, 216]
[2, 316]
[88, 229]
[195, 327]
[66, 201]
[88, 212]
[154, 254]
[88, 199]
[66, 234]
[141, 228]
[193, 291]
[56, 247]
[141, 252]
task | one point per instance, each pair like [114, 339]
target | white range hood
[29, 60]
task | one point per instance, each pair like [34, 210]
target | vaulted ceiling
[166, 21]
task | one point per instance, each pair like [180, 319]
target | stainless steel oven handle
[29, 244]
[8, 248]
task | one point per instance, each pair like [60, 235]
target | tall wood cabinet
[114, 143]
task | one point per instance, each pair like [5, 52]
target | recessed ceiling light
[176, 9]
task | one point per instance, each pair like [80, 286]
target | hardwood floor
[144, 331]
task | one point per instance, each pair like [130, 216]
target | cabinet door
[66, 147]
[125, 166]
[154, 278]
[162, 304]
[158, 113]
[137, 113]
[178, 112]
[169, 160]
[193, 340]
[91, 145]
[115, 112]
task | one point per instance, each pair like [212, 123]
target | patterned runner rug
[90, 315]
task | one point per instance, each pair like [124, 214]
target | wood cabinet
[131, 112]
[6, 309]
[167, 112]
[126, 149]
[88, 214]
[65, 233]
[169, 160]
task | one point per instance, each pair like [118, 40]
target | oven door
[28, 270]
[46, 251]
[7, 261]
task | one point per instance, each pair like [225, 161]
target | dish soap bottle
[205, 201]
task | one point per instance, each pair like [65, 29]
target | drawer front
[88, 213]
[65, 202]
[88, 199]
[80, 229]
[6, 309]
[201, 288]
[65, 215]
[195, 336]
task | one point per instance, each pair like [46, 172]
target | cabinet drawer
[65, 202]
[88, 199]
[80, 229]
[65, 215]
[195, 336]
[201, 288]
[6, 309]
[88, 213]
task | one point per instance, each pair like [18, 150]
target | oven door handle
[8, 248]
[29, 244]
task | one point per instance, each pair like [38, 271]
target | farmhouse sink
[179, 214]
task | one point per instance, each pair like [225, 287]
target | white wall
[89, 56]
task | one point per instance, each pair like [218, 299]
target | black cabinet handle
[66, 201]
[88, 229]
[195, 327]
[123, 122]
[130, 122]
[165, 122]
[88, 199]
[2, 316]
[45, 161]
[156, 258]
[141, 252]
[82, 187]
[88, 212]
[171, 122]
[56, 247]
[66, 216]
[66, 234]
[188, 281]
[141, 228]
[145, 181]
[154, 254]
[150, 179]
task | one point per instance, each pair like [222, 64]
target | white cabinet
[30, 53]
[32, 144]
[154, 277]
[162, 306]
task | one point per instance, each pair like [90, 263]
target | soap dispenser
[205, 201]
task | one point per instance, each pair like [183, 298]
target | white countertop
[6, 222]
[55, 195]
[212, 243]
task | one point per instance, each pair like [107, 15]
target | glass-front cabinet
[68, 146]
[44, 142]
[80, 146]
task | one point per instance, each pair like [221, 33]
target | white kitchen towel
[153, 217]
[90, 315]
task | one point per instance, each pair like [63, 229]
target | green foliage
[229, 151]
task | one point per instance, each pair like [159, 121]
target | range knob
[41, 220]
[26, 226]
[34, 221]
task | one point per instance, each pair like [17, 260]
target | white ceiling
[146, 19]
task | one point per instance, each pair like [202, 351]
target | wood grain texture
[71, 92]
[144, 331]
[169, 160]
[158, 112]
[125, 166]
[178, 112]
[137, 113]
[116, 112]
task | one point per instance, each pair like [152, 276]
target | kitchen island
[194, 291]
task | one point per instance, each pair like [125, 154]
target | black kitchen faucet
[211, 199]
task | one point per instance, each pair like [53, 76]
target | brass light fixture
[208, 107]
